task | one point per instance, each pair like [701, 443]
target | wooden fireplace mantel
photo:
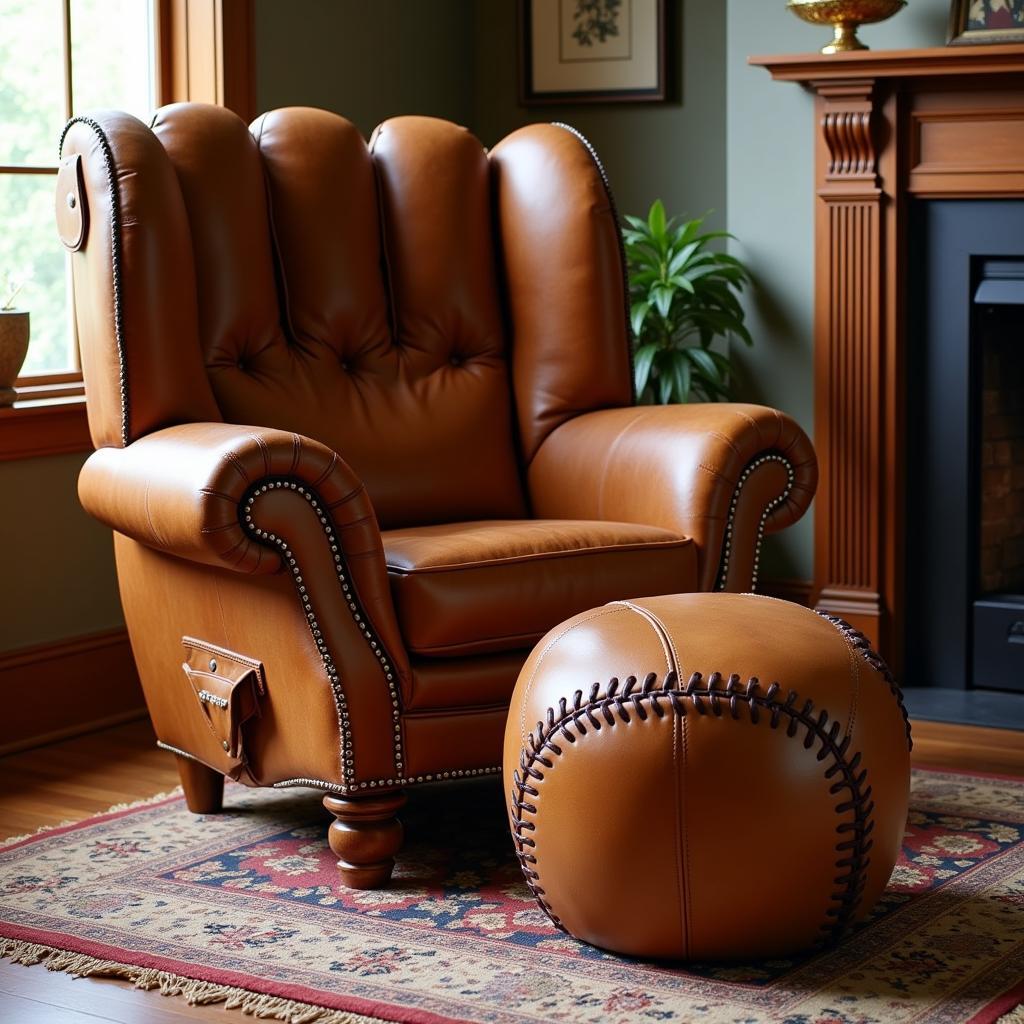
[891, 127]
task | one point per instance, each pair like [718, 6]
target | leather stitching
[359, 616]
[115, 259]
[671, 661]
[716, 696]
[595, 614]
[532, 556]
[614, 211]
[860, 643]
[721, 581]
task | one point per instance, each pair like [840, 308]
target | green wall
[58, 562]
[675, 151]
[769, 178]
[367, 59]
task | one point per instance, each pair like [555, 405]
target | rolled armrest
[722, 474]
[241, 497]
[179, 490]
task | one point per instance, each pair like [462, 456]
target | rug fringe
[129, 806]
[197, 993]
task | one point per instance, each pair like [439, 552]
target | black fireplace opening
[964, 556]
[997, 641]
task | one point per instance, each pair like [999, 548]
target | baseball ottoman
[706, 776]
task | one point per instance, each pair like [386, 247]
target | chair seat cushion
[499, 585]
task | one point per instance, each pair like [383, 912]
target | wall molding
[43, 427]
[67, 687]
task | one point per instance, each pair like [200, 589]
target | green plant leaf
[642, 366]
[707, 366]
[682, 379]
[662, 297]
[665, 386]
[656, 219]
[637, 315]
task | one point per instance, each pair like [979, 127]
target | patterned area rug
[244, 907]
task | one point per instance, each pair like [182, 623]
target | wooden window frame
[204, 53]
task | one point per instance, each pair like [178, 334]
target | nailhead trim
[412, 780]
[115, 258]
[181, 753]
[618, 235]
[334, 787]
[315, 502]
[723, 569]
[860, 643]
[615, 705]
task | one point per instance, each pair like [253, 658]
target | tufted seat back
[289, 275]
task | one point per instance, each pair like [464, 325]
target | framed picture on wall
[591, 51]
[986, 21]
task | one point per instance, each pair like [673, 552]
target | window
[58, 58]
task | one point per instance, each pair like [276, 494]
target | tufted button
[455, 360]
[346, 366]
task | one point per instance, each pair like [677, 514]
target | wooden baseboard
[967, 747]
[56, 690]
[797, 591]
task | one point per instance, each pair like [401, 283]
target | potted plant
[683, 295]
[14, 329]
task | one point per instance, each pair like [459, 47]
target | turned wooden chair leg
[204, 787]
[365, 836]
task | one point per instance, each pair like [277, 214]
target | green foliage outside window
[111, 67]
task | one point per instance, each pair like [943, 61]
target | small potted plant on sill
[14, 332]
[683, 295]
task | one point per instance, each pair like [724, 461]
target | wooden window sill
[37, 425]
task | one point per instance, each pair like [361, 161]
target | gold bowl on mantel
[844, 16]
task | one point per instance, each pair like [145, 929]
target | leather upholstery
[292, 340]
[482, 587]
[404, 373]
[564, 278]
[735, 799]
[678, 467]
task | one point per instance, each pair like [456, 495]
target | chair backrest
[382, 299]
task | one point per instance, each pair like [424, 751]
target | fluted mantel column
[848, 353]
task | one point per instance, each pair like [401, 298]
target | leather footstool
[706, 776]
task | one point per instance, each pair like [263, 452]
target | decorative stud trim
[860, 643]
[618, 235]
[115, 258]
[412, 780]
[717, 697]
[320, 509]
[727, 542]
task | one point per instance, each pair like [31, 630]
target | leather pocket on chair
[227, 688]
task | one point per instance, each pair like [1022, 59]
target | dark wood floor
[83, 776]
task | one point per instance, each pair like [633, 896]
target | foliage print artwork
[683, 295]
[595, 20]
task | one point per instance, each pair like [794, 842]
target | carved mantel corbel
[847, 125]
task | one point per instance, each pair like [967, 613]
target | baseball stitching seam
[615, 705]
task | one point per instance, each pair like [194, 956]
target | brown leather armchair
[365, 432]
